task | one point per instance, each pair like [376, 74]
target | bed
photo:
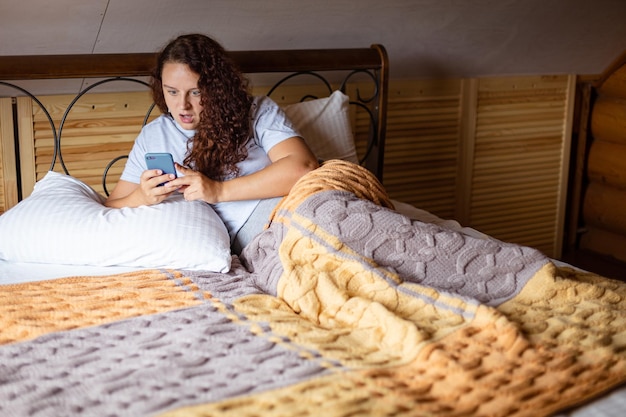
[348, 303]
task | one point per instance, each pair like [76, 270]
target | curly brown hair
[224, 126]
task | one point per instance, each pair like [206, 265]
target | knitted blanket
[341, 307]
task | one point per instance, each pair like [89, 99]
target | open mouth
[186, 118]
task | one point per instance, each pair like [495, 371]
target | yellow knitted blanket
[342, 307]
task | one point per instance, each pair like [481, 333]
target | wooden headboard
[362, 73]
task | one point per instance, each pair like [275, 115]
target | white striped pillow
[325, 125]
[64, 222]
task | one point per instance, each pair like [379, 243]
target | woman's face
[182, 96]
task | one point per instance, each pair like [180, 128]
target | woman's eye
[195, 93]
[171, 92]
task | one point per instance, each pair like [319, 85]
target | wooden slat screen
[8, 173]
[422, 148]
[99, 128]
[103, 126]
[26, 142]
[359, 117]
[491, 153]
[520, 161]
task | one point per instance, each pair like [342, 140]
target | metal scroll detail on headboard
[57, 133]
[369, 63]
[58, 150]
[18, 179]
[366, 102]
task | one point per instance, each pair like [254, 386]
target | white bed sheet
[612, 404]
[18, 272]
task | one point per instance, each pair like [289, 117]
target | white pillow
[325, 125]
[64, 221]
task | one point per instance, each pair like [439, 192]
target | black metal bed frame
[370, 63]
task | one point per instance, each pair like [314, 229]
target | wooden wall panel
[491, 153]
[608, 121]
[25, 142]
[604, 241]
[607, 163]
[520, 159]
[8, 169]
[423, 140]
[99, 128]
[604, 199]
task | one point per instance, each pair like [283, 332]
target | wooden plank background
[8, 169]
[98, 128]
[490, 152]
[521, 159]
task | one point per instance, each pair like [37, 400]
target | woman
[232, 150]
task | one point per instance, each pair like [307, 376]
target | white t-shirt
[270, 126]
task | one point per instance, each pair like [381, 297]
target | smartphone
[162, 161]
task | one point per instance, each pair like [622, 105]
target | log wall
[604, 202]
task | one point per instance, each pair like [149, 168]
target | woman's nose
[184, 103]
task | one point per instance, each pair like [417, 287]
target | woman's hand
[148, 192]
[155, 186]
[196, 186]
[291, 159]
